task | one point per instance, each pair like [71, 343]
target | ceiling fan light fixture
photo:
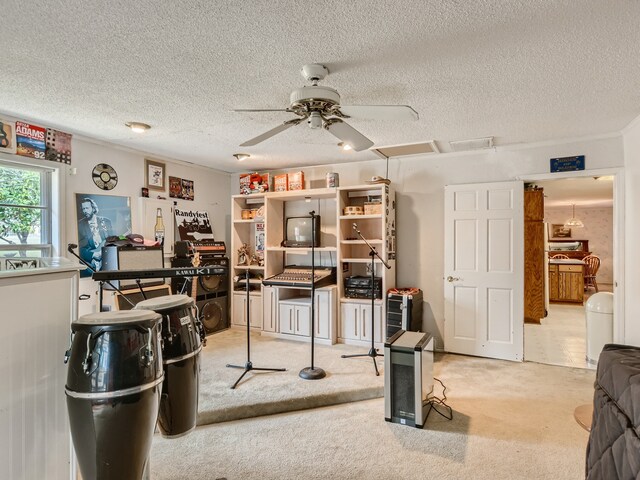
[138, 127]
[345, 146]
[241, 156]
[573, 221]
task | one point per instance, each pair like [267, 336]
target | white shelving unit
[286, 312]
[353, 254]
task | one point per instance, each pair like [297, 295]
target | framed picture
[154, 174]
[7, 136]
[558, 230]
[100, 217]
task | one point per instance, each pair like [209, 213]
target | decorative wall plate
[104, 176]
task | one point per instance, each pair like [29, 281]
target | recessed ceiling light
[138, 127]
[345, 146]
[241, 156]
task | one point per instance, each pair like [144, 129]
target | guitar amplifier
[132, 257]
[404, 310]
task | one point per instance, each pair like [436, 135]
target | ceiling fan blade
[261, 110]
[348, 134]
[271, 133]
[380, 112]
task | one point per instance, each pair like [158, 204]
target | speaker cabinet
[214, 313]
[404, 311]
[135, 296]
[209, 284]
[132, 257]
[408, 377]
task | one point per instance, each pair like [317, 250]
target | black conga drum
[113, 392]
[181, 358]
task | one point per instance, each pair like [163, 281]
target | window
[25, 211]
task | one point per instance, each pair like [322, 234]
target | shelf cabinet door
[287, 318]
[553, 283]
[365, 321]
[302, 315]
[270, 309]
[350, 321]
[255, 311]
[324, 313]
[239, 309]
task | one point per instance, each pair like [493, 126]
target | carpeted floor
[511, 421]
[264, 393]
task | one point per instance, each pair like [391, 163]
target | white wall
[211, 187]
[598, 229]
[631, 139]
[419, 182]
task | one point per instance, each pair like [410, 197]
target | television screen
[298, 232]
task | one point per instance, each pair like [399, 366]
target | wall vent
[473, 144]
[406, 149]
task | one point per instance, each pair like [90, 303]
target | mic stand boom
[373, 352]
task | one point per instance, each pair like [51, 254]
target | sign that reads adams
[30, 140]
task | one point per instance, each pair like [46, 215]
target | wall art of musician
[99, 217]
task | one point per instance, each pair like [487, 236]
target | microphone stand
[248, 366]
[70, 248]
[312, 372]
[373, 352]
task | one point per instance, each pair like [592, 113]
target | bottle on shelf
[159, 227]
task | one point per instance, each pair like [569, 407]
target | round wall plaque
[104, 176]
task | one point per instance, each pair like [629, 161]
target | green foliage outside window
[21, 188]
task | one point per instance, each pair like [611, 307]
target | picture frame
[154, 174]
[100, 217]
[7, 136]
[558, 230]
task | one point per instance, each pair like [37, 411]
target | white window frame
[46, 206]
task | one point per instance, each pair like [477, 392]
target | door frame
[618, 235]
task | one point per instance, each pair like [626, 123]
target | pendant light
[573, 221]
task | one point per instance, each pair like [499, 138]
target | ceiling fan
[320, 107]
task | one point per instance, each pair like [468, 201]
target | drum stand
[248, 366]
[373, 352]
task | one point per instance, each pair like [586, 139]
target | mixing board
[298, 276]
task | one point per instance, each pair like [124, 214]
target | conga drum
[180, 355]
[113, 392]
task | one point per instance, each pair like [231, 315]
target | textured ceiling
[521, 71]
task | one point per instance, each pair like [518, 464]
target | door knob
[452, 279]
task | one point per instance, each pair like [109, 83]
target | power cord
[435, 402]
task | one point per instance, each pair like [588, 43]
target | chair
[560, 256]
[591, 266]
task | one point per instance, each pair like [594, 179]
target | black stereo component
[209, 284]
[214, 313]
[404, 310]
[184, 249]
[360, 287]
[132, 257]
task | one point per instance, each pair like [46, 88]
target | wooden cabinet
[239, 317]
[295, 316]
[378, 226]
[355, 322]
[566, 283]
[534, 258]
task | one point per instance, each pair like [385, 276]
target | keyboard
[300, 277]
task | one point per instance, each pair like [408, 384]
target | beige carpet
[262, 393]
[511, 421]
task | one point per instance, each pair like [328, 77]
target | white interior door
[484, 270]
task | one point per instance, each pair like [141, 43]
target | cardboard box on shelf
[280, 182]
[254, 183]
[296, 181]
